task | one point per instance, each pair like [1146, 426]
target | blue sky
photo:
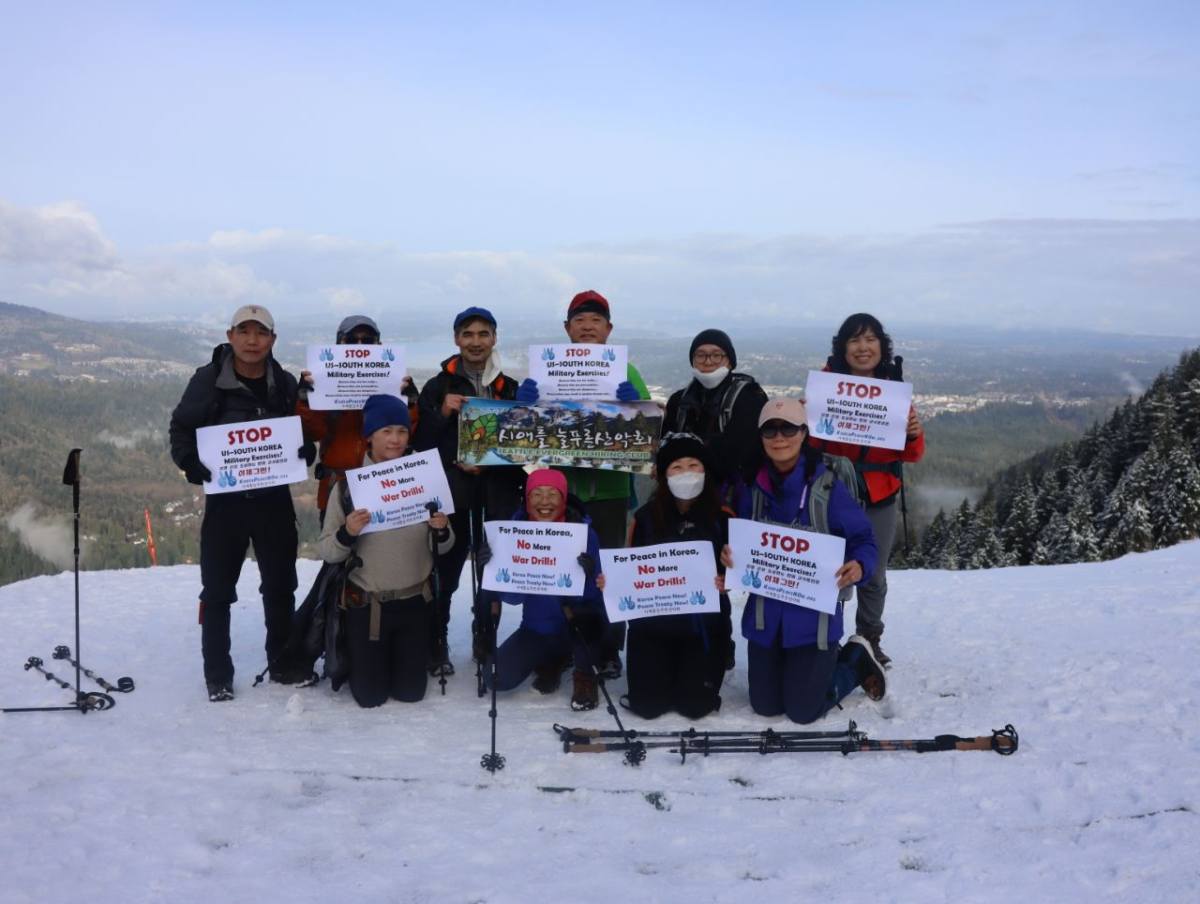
[1010, 164]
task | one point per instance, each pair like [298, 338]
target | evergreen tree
[1175, 499]
[1020, 531]
[989, 551]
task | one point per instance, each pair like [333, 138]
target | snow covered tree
[1020, 531]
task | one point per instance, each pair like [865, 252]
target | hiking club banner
[858, 410]
[397, 492]
[667, 579]
[345, 376]
[786, 564]
[613, 436]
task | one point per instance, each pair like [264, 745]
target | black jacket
[498, 488]
[734, 450]
[214, 396]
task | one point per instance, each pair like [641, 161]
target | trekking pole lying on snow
[1003, 741]
[83, 702]
[768, 735]
[123, 685]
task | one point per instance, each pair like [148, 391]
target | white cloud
[63, 234]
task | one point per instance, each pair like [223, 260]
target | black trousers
[232, 522]
[395, 664]
[802, 682]
[680, 672]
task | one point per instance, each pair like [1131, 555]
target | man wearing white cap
[242, 382]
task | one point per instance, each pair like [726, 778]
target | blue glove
[528, 391]
[627, 393]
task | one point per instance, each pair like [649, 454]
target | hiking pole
[904, 518]
[493, 761]
[441, 645]
[83, 702]
[71, 479]
[636, 751]
[123, 685]
[1003, 741]
[769, 735]
[477, 614]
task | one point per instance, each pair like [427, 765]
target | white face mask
[686, 485]
[708, 381]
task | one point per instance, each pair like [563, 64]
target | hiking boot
[585, 695]
[881, 657]
[440, 664]
[610, 664]
[548, 678]
[871, 677]
[220, 691]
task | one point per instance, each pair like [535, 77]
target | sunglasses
[770, 431]
[368, 339]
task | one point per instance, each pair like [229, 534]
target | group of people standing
[726, 451]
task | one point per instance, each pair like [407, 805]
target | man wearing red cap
[606, 493]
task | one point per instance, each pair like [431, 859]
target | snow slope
[297, 795]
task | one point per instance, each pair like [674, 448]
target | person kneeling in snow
[545, 642]
[795, 664]
[388, 597]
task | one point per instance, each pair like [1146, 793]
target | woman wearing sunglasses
[861, 348]
[796, 666]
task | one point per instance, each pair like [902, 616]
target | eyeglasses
[770, 431]
[713, 358]
[361, 339]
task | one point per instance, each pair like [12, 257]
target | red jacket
[879, 468]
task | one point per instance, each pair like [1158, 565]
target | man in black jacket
[243, 382]
[473, 373]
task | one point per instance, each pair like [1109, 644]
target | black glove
[588, 563]
[194, 470]
[483, 554]
[309, 453]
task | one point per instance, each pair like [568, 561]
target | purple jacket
[846, 520]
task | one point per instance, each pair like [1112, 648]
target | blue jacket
[544, 614]
[846, 520]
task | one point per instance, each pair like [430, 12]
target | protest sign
[858, 410]
[668, 579]
[252, 455]
[396, 492]
[578, 371]
[790, 565]
[535, 557]
[345, 376]
[612, 436]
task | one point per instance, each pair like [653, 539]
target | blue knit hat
[384, 411]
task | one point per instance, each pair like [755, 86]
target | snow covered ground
[298, 795]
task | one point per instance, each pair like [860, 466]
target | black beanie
[714, 337]
[675, 446]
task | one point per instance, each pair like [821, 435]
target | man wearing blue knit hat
[473, 373]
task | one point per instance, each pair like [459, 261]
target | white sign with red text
[252, 455]
[858, 410]
[668, 579]
[578, 372]
[786, 564]
[535, 557]
[345, 376]
[397, 493]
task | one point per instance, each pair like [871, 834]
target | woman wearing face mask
[861, 348]
[677, 662]
[721, 407]
[796, 667]
[544, 643]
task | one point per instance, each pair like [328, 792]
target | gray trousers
[868, 619]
